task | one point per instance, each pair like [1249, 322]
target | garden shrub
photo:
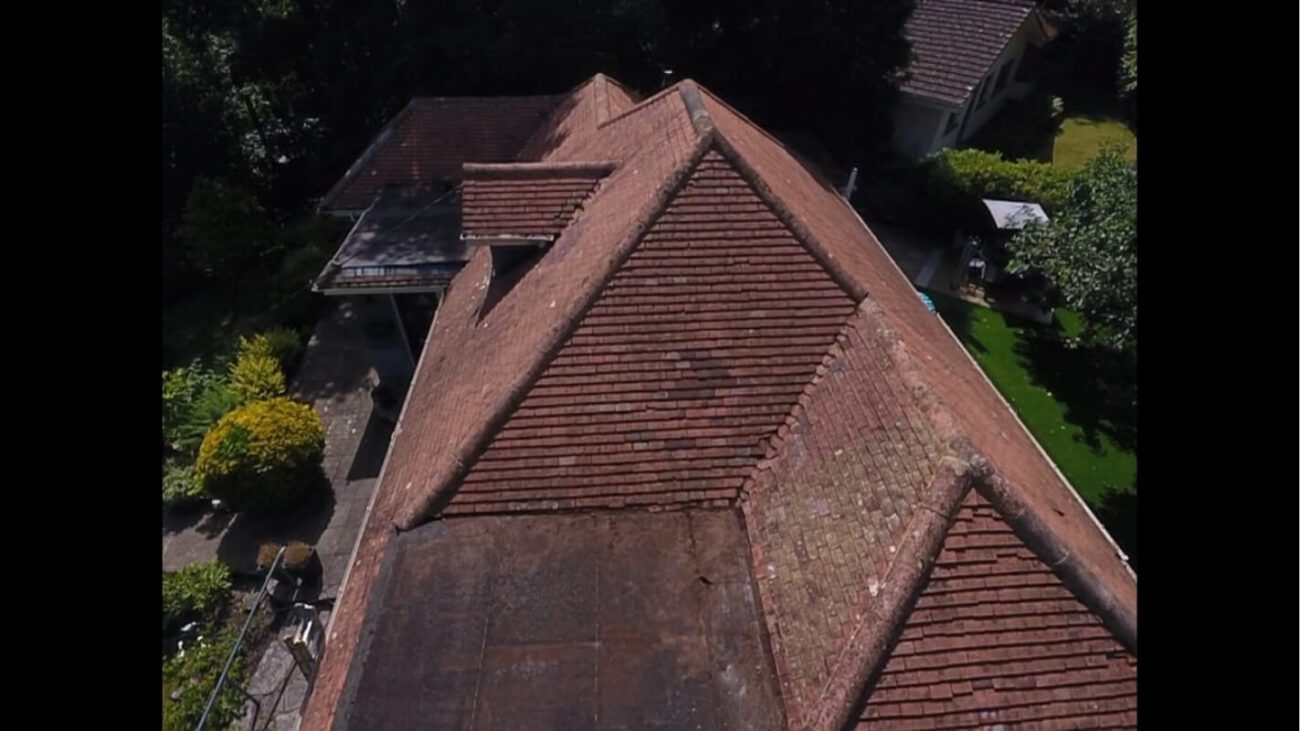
[256, 376]
[958, 179]
[296, 554]
[188, 678]
[281, 343]
[263, 456]
[194, 398]
[179, 488]
[196, 592]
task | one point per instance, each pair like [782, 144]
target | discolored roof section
[955, 42]
[566, 622]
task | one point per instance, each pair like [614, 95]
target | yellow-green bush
[281, 343]
[256, 376]
[262, 456]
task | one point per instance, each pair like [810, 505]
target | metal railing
[234, 651]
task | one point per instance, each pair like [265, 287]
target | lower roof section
[574, 621]
[408, 240]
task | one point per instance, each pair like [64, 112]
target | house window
[951, 125]
[1004, 74]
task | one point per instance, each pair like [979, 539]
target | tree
[224, 230]
[1089, 251]
[1128, 76]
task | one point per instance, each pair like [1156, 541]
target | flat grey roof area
[575, 621]
[408, 235]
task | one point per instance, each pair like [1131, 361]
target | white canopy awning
[1013, 215]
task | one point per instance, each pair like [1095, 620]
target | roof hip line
[883, 619]
[1071, 569]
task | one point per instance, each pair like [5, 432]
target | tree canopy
[278, 96]
[1089, 250]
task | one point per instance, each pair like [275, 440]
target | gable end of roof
[443, 485]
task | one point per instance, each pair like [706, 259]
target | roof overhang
[506, 240]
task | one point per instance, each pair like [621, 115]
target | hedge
[263, 456]
[956, 181]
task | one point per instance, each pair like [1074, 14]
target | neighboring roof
[525, 199]
[716, 326]
[432, 137]
[955, 43]
[555, 622]
[407, 239]
[1015, 215]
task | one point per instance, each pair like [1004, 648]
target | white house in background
[968, 58]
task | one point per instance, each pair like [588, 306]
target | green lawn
[1059, 395]
[1083, 135]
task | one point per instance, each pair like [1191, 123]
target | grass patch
[1082, 136]
[1065, 398]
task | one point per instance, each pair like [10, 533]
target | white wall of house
[921, 127]
[916, 125]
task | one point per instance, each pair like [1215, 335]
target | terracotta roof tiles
[716, 325]
[429, 140]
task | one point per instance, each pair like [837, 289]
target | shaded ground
[574, 621]
[1079, 404]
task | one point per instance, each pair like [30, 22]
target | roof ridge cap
[701, 120]
[640, 105]
[597, 168]
[1067, 565]
[443, 485]
[600, 95]
[787, 216]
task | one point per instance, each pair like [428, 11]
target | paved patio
[931, 264]
[335, 377]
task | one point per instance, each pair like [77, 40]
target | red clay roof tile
[1033, 656]
[849, 433]
[429, 140]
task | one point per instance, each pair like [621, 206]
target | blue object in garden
[929, 303]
